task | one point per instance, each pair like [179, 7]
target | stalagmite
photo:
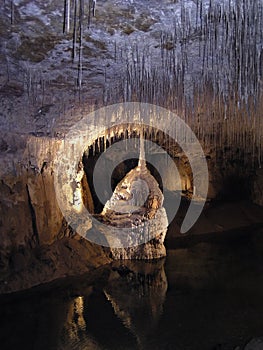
[136, 209]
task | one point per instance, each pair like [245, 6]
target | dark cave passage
[93, 153]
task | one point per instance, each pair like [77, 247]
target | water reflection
[131, 299]
[74, 330]
[214, 301]
[137, 292]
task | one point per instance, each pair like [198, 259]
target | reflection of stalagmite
[74, 331]
[137, 293]
[75, 319]
[137, 203]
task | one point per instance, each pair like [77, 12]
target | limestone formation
[152, 51]
[137, 203]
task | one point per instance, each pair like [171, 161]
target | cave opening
[183, 185]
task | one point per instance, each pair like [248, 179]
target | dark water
[208, 295]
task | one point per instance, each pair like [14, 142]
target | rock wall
[257, 187]
[37, 245]
[28, 204]
[31, 218]
[132, 51]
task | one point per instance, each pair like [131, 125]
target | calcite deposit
[136, 207]
[200, 59]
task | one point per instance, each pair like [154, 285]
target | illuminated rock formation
[137, 203]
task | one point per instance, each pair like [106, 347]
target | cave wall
[257, 187]
[29, 209]
[186, 68]
[31, 218]
[30, 214]
[37, 245]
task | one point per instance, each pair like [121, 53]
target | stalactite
[66, 21]
[12, 12]
[93, 8]
[74, 40]
[231, 64]
[81, 14]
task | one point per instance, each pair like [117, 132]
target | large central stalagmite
[137, 203]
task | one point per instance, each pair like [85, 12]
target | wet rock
[41, 264]
[255, 344]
